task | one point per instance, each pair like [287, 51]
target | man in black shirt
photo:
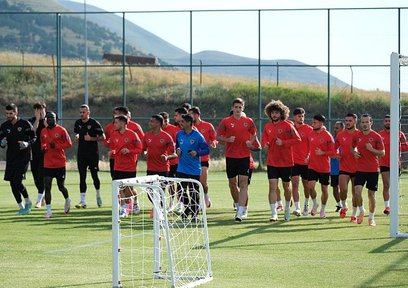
[37, 161]
[17, 135]
[87, 132]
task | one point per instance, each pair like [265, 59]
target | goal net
[161, 242]
[398, 158]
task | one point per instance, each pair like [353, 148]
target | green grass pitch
[75, 250]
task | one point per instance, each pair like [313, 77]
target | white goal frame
[153, 184]
[395, 106]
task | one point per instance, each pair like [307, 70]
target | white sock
[98, 193]
[386, 203]
[306, 201]
[48, 208]
[240, 210]
[371, 216]
[287, 204]
[20, 205]
[273, 209]
[40, 197]
[361, 208]
[344, 203]
[323, 207]
[83, 197]
[27, 201]
[314, 202]
[339, 204]
[297, 205]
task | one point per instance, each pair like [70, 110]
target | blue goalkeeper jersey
[194, 141]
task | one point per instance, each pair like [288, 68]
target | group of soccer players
[295, 151]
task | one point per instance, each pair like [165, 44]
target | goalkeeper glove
[23, 145]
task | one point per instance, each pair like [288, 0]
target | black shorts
[205, 164]
[16, 171]
[188, 176]
[162, 173]
[334, 180]
[301, 170]
[58, 173]
[237, 166]
[84, 161]
[351, 175]
[280, 172]
[173, 170]
[384, 169]
[368, 178]
[117, 175]
[322, 178]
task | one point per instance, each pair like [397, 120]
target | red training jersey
[156, 145]
[172, 131]
[243, 129]
[130, 140]
[344, 142]
[325, 142]
[368, 162]
[301, 149]
[208, 131]
[385, 135]
[55, 157]
[280, 155]
[135, 127]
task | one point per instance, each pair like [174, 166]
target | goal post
[159, 246]
[396, 62]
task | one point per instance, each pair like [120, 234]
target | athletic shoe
[207, 200]
[123, 213]
[287, 214]
[343, 212]
[296, 212]
[67, 205]
[80, 205]
[353, 219]
[305, 210]
[323, 214]
[38, 204]
[48, 215]
[273, 218]
[238, 217]
[371, 223]
[279, 208]
[360, 217]
[99, 201]
[387, 211]
[338, 208]
[26, 210]
[314, 210]
[136, 209]
[21, 211]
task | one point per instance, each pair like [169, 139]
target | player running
[334, 167]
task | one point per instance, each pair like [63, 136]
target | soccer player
[54, 141]
[321, 148]
[190, 147]
[367, 147]
[334, 167]
[17, 135]
[208, 131]
[125, 145]
[300, 157]
[348, 164]
[385, 160]
[238, 132]
[37, 161]
[278, 138]
[88, 132]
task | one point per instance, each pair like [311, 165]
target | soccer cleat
[296, 212]
[343, 212]
[207, 200]
[353, 219]
[48, 215]
[323, 214]
[238, 216]
[371, 223]
[38, 204]
[305, 210]
[20, 211]
[99, 201]
[287, 215]
[338, 208]
[67, 205]
[273, 218]
[26, 210]
[136, 209]
[314, 210]
[387, 211]
[360, 217]
[279, 208]
[80, 205]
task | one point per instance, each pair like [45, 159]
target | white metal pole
[115, 236]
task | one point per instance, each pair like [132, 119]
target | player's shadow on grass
[91, 284]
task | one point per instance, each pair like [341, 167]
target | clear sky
[356, 37]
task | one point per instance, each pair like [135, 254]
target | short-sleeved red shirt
[323, 140]
[368, 162]
[157, 145]
[344, 142]
[301, 149]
